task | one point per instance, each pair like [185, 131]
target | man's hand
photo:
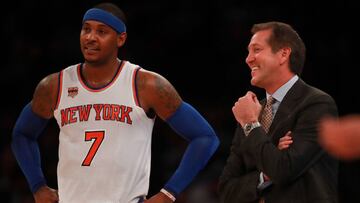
[159, 198]
[247, 109]
[46, 195]
[285, 141]
[341, 138]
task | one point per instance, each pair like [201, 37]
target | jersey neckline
[102, 88]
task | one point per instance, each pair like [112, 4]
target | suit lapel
[286, 107]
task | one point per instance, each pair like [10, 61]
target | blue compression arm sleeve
[24, 144]
[203, 142]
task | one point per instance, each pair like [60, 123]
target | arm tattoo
[167, 93]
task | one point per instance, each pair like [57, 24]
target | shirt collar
[280, 93]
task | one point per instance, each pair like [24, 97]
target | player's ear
[121, 39]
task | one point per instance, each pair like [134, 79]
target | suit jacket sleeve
[238, 180]
[285, 166]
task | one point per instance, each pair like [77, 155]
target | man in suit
[275, 156]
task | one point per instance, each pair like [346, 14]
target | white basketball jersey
[105, 139]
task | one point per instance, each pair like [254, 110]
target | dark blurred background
[200, 47]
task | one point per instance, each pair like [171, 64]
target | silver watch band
[250, 126]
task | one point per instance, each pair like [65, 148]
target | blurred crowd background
[200, 47]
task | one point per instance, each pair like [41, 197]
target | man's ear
[121, 39]
[285, 54]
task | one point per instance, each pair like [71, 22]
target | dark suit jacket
[302, 173]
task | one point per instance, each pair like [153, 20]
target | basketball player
[105, 109]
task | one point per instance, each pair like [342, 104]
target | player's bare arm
[157, 94]
[30, 124]
[45, 96]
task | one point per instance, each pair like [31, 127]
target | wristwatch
[248, 127]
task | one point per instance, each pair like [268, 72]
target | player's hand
[46, 195]
[159, 198]
[285, 141]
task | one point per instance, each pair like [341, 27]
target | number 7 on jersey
[98, 137]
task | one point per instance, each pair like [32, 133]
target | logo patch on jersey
[72, 91]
